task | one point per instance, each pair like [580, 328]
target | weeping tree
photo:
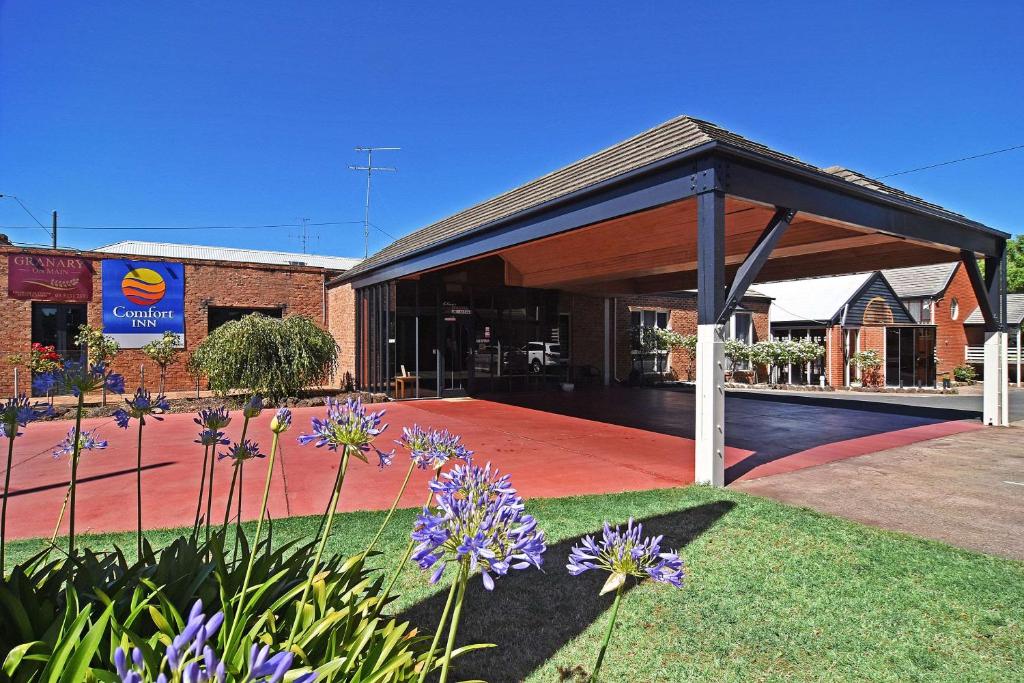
[273, 357]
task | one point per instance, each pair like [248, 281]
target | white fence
[975, 355]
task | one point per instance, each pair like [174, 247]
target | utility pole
[370, 168]
[53, 233]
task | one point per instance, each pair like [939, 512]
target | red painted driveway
[548, 452]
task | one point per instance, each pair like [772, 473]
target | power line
[953, 161]
[31, 215]
[186, 227]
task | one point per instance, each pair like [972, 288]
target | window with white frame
[648, 318]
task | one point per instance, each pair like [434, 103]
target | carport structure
[688, 205]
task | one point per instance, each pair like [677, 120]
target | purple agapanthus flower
[213, 418]
[432, 448]
[626, 553]
[140, 407]
[212, 437]
[479, 517]
[191, 659]
[253, 407]
[87, 441]
[18, 412]
[349, 425]
[79, 378]
[242, 450]
[282, 421]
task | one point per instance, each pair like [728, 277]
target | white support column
[710, 406]
[607, 342]
[1018, 356]
[995, 412]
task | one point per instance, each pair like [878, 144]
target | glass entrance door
[457, 348]
[910, 356]
[57, 325]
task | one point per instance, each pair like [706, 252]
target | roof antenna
[370, 168]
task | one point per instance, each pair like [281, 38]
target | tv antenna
[370, 168]
[303, 234]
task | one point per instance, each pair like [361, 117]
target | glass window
[656, 361]
[954, 309]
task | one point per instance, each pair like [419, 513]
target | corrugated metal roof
[205, 253]
[673, 137]
[818, 299]
[918, 281]
[1014, 311]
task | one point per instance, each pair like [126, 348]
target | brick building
[51, 292]
[939, 295]
[847, 314]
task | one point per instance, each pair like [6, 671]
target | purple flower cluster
[213, 418]
[87, 441]
[349, 425]
[282, 421]
[432, 448]
[212, 421]
[479, 517]
[253, 407]
[245, 449]
[141, 406]
[626, 553]
[191, 659]
[78, 378]
[18, 412]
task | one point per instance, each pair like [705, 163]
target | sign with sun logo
[142, 300]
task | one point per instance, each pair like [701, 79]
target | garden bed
[772, 592]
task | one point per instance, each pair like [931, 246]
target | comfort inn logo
[143, 287]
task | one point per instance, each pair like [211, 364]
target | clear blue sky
[198, 113]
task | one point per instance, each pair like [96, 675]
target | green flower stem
[441, 624]
[138, 492]
[3, 514]
[405, 557]
[454, 628]
[202, 488]
[391, 512]
[301, 606]
[56, 528]
[241, 463]
[75, 453]
[231, 495]
[607, 635]
[259, 528]
[209, 491]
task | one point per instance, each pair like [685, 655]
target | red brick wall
[835, 366]
[950, 335]
[298, 290]
[341, 321]
[873, 339]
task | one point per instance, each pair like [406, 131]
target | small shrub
[270, 356]
[965, 374]
[868, 362]
[163, 351]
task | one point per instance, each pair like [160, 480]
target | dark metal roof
[920, 281]
[680, 135]
[1014, 312]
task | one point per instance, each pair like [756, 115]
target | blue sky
[199, 113]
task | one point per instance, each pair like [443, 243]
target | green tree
[1015, 264]
[269, 356]
[163, 351]
[99, 348]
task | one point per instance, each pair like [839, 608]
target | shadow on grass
[531, 615]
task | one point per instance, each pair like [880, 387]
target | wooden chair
[402, 381]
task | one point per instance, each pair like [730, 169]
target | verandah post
[709, 465]
[995, 410]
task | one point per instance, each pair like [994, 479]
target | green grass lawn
[772, 593]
